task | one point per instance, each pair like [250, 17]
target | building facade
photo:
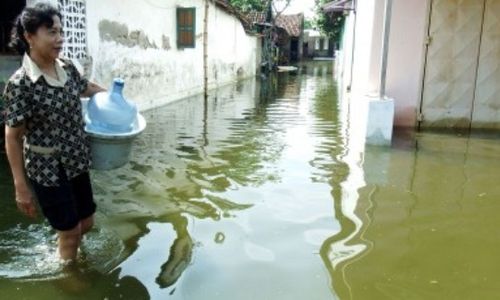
[158, 47]
[443, 60]
[291, 37]
[317, 45]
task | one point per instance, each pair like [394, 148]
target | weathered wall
[232, 53]
[136, 40]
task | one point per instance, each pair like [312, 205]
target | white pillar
[380, 121]
[380, 108]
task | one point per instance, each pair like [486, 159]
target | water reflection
[220, 196]
[338, 165]
[185, 171]
[428, 209]
[180, 255]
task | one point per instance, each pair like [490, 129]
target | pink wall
[406, 58]
[376, 49]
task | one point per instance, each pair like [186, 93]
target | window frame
[186, 28]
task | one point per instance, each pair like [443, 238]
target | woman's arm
[92, 89]
[14, 147]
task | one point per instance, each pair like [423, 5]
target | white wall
[363, 47]
[231, 51]
[405, 58]
[157, 76]
[376, 48]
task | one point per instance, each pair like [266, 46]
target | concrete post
[381, 109]
[385, 47]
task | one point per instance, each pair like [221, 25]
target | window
[74, 23]
[186, 27]
[326, 44]
[321, 44]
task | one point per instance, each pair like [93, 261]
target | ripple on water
[30, 252]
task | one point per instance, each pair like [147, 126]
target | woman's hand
[14, 147]
[25, 201]
[92, 89]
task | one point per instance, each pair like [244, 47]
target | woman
[46, 145]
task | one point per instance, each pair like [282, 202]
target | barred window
[75, 28]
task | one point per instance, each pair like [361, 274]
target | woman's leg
[68, 243]
[86, 224]
[86, 207]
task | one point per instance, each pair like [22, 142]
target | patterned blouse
[52, 112]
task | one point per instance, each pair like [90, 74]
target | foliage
[330, 24]
[273, 9]
[249, 5]
[278, 6]
[308, 24]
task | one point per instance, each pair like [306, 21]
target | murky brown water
[267, 192]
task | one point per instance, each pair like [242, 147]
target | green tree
[330, 24]
[249, 5]
[273, 9]
[308, 24]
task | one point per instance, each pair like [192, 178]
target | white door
[452, 62]
[486, 108]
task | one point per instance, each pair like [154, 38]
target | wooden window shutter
[186, 27]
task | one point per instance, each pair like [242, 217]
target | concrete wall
[362, 48]
[373, 85]
[136, 40]
[405, 59]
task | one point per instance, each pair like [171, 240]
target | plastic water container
[111, 112]
[112, 122]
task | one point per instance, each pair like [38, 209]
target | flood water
[266, 191]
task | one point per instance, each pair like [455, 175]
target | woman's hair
[30, 19]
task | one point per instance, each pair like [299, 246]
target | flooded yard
[266, 191]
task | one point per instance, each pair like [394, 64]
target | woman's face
[47, 42]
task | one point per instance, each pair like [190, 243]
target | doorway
[462, 68]
[9, 10]
[294, 50]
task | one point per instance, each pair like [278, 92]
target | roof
[256, 17]
[293, 24]
[338, 5]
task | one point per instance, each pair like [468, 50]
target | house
[291, 39]
[443, 59]
[288, 34]
[316, 44]
[158, 46]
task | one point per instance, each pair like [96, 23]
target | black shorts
[66, 205]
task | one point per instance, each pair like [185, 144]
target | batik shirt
[52, 112]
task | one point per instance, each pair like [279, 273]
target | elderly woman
[46, 145]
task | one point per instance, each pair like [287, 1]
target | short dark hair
[30, 19]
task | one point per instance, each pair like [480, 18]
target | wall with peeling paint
[136, 40]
